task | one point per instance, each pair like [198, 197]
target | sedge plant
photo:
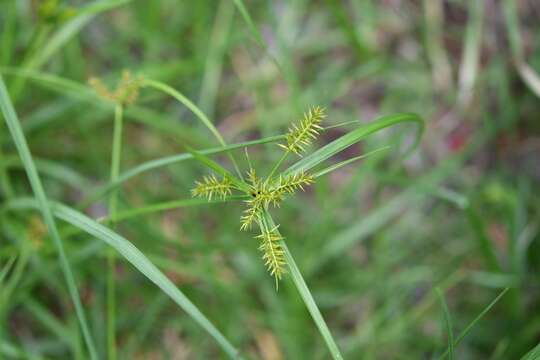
[265, 192]
[260, 193]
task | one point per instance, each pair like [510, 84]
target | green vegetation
[141, 143]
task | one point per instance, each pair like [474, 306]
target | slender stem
[303, 289]
[280, 161]
[113, 204]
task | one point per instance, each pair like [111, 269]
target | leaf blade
[134, 256]
[354, 136]
[17, 134]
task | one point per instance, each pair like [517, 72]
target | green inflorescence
[263, 193]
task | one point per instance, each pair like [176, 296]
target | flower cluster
[126, 92]
[263, 193]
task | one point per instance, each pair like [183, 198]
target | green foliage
[356, 256]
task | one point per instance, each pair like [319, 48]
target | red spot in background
[458, 138]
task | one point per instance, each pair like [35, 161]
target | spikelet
[101, 89]
[251, 214]
[126, 92]
[253, 180]
[273, 254]
[289, 184]
[302, 134]
[211, 186]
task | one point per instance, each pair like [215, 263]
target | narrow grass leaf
[211, 164]
[22, 147]
[170, 205]
[169, 160]
[448, 323]
[348, 161]
[195, 110]
[133, 255]
[187, 103]
[473, 323]
[355, 136]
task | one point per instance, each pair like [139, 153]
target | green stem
[303, 289]
[113, 204]
[280, 161]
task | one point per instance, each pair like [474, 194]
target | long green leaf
[355, 136]
[169, 205]
[173, 159]
[188, 103]
[195, 110]
[304, 164]
[22, 147]
[137, 259]
[448, 323]
[347, 162]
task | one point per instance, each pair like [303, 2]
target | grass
[22, 147]
[395, 205]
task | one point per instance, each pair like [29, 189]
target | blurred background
[373, 240]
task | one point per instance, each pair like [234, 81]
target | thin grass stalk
[448, 323]
[303, 289]
[113, 205]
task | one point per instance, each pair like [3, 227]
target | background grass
[372, 240]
